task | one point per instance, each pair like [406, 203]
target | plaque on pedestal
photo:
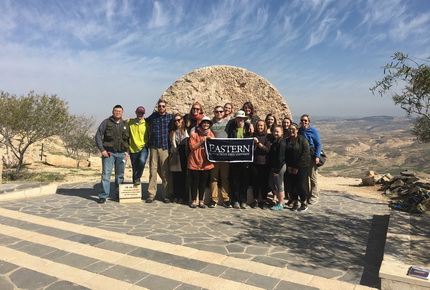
[130, 193]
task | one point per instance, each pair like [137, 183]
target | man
[159, 150]
[139, 139]
[112, 140]
[221, 169]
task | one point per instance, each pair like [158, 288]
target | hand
[126, 156]
[275, 174]
[105, 154]
[251, 128]
[255, 140]
[317, 160]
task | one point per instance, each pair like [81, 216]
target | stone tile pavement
[68, 241]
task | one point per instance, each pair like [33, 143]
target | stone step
[97, 258]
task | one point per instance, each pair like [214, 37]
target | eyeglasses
[161, 106]
[304, 121]
[218, 112]
[178, 120]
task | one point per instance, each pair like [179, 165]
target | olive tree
[31, 118]
[407, 81]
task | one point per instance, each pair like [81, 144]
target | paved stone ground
[340, 239]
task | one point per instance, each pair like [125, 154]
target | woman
[178, 158]
[297, 156]
[286, 122]
[193, 119]
[199, 166]
[239, 171]
[250, 112]
[259, 169]
[277, 167]
[311, 134]
[228, 107]
[270, 123]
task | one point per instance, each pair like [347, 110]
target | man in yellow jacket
[139, 140]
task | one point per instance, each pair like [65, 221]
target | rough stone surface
[217, 85]
[58, 160]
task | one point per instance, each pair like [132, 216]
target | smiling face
[305, 121]
[117, 113]
[205, 125]
[247, 110]
[240, 122]
[177, 121]
[162, 108]
[270, 121]
[227, 110]
[277, 133]
[293, 131]
[196, 109]
[259, 127]
[286, 123]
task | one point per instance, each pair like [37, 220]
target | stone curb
[16, 191]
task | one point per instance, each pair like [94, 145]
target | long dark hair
[274, 123]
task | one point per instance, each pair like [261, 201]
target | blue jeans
[107, 166]
[138, 161]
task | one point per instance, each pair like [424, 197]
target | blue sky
[322, 55]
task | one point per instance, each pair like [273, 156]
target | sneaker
[277, 207]
[166, 200]
[201, 205]
[304, 207]
[136, 182]
[180, 201]
[254, 204]
[212, 204]
[288, 204]
[243, 205]
[295, 207]
[236, 204]
[263, 205]
[312, 201]
[227, 204]
[101, 200]
[193, 205]
[149, 200]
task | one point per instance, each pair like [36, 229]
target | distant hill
[380, 143]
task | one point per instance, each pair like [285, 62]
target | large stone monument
[217, 85]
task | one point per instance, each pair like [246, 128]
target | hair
[282, 125]
[218, 107]
[118, 107]
[264, 128]
[173, 126]
[307, 116]
[231, 105]
[253, 111]
[274, 123]
[188, 118]
[295, 125]
[161, 101]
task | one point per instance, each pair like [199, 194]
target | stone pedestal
[130, 193]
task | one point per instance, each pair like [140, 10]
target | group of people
[285, 162]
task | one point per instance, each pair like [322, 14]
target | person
[311, 134]
[139, 139]
[286, 122]
[276, 159]
[228, 108]
[193, 118]
[221, 169]
[159, 151]
[270, 123]
[239, 171]
[178, 158]
[250, 112]
[112, 141]
[297, 157]
[259, 170]
[198, 164]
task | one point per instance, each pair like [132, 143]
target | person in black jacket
[297, 158]
[239, 171]
[112, 140]
[259, 168]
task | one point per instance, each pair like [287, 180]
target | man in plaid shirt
[159, 150]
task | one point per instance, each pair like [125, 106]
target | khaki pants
[220, 171]
[158, 163]
[314, 192]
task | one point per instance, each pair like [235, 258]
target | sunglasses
[161, 106]
[216, 112]
[178, 120]
[304, 121]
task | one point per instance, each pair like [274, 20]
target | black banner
[230, 149]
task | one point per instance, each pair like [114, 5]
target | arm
[196, 142]
[99, 138]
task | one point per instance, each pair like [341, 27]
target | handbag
[323, 159]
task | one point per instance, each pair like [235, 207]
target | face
[260, 127]
[195, 109]
[227, 110]
[178, 121]
[117, 113]
[270, 121]
[305, 122]
[219, 112]
[247, 110]
[140, 115]
[240, 121]
[277, 133]
[205, 125]
[286, 123]
[162, 107]
[293, 131]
